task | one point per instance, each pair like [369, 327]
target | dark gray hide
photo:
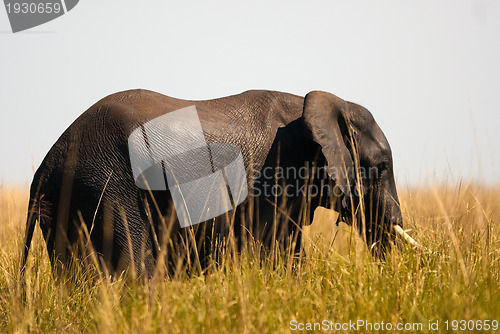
[84, 186]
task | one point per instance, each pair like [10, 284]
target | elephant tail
[33, 214]
[39, 209]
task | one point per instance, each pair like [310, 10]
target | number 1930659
[32, 8]
[471, 325]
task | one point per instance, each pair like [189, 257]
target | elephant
[86, 194]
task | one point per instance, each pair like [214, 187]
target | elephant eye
[382, 167]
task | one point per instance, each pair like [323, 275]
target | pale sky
[428, 71]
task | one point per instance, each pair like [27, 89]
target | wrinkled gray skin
[84, 186]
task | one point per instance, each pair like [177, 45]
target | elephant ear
[322, 114]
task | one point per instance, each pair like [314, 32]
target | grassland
[339, 282]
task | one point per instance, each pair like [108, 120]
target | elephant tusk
[407, 238]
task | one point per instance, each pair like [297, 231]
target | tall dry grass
[339, 281]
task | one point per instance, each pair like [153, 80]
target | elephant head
[359, 162]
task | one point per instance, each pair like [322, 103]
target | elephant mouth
[346, 216]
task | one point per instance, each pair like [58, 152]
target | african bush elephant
[86, 188]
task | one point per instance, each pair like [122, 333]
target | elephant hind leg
[132, 248]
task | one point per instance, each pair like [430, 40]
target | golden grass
[336, 282]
